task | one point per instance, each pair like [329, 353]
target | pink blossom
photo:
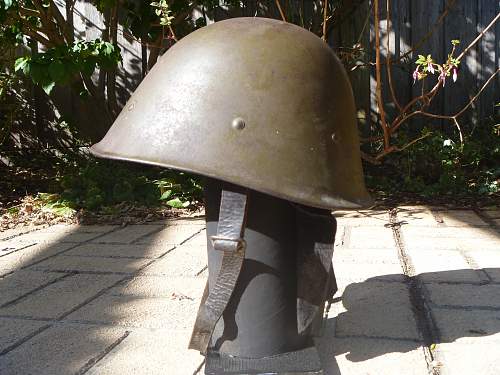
[455, 74]
[431, 68]
[442, 75]
[415, 76]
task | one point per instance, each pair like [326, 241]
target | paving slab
[171, 235]
[121, 300]
[63, 233]
[489, 261]
[123, 266]
[128, 234]
[346, 275]
[184, 260]
[154, 352]
[14, 331]
[468, 325]
[481, 358]
[375, 309]
[366, 256]
[134, 306]
[416, 216]
[174, 288]
[442, 266]
[364, 356]
[16, 231]
[120, 250]
[416, 233]
[362, 217]
[367, 238]
[72, 347]
[21, 282]
[26, 254]
[461, 218]
[61, 297]
[465, 295]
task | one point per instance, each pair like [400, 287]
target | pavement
[419, 293]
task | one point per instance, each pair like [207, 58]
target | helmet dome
[253, 101]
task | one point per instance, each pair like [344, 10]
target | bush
[440, 165]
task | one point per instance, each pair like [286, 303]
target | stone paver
[376, 309]
[89, 264]
[122, 300]
[15, 330]
[171, 235]
[65, 233]
[24, 256]
[355, 355]
[71, 349]
[185, 260]
[362, 218]
[60, 297]
[366, 238]
[133, 306]
[119, 250]
[19, 283]
[128, 234]
[148, 348]
[468, 325]
[480, 358]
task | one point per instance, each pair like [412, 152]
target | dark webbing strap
[229, 240]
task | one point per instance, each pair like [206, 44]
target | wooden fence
[415, 23]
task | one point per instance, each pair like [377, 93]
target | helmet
[252, 101]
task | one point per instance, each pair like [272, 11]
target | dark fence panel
[412, 20]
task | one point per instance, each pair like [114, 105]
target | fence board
[462, 24]
[487, 50]
[411, 20]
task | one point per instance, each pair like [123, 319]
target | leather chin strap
[229, 240]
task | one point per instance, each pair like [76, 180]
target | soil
[29, 212]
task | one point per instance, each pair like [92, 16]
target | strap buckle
[226, 244]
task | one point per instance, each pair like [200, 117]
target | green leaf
[47, 87]
[21, 63]
[7, 4]
[166, 195]
[57, 70]
[177, 203]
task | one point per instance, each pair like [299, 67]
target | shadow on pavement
[381, 316]
[69, 295]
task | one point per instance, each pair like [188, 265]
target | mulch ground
[28, 211]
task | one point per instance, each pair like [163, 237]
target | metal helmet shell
[253, 101]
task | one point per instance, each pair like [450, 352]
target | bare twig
[38, 37]
[388, 58]
[174, 37]
[391, 149]
[325, 15]
[380, 103]
[447, 8]
[478, 38]
[478, 94]
[60, 21]
[278, 4]
[459, 131]
[111, 73]
[28, 12]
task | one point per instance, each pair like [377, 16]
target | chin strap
[229, 240]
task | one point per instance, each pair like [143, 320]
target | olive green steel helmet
[253, 101]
